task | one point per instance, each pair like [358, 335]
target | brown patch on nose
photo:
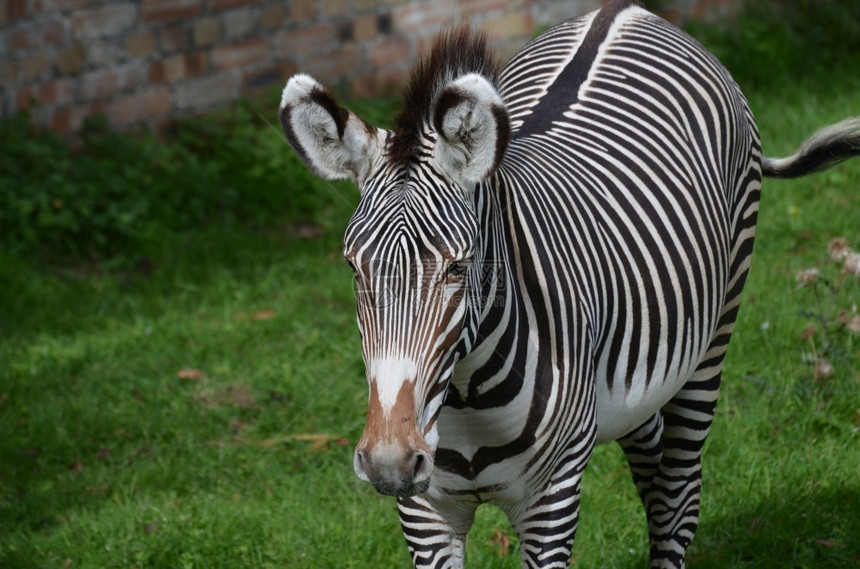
[397, 426]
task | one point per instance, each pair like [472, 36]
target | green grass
[194, 402]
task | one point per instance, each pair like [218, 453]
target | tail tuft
[827, 147]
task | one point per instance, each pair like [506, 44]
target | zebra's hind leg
[673, 496]
[644, 450]
[435, 541]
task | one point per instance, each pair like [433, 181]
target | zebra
[547, 256]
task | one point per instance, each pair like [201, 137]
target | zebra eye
[456, 271]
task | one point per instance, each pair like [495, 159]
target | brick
[19, 39]
[335, 7]
[71, 119]
[70, 60]
[96, 109]
[99, 84]
[71, 5]
[313, 39]
[519, 23]
[34, 65]
[133, 76]
[469, 8]
[16, 9]
[58, 92]
[8, 72]
[61, 120]
[174, 68]
[109, 20]
[206, 32]
[195, 64]
[379, 83]
[157, 72]
[272, 16]
[169, 10]
[240, 54]
[239, 23]
[331, 67]
[104, 53]
[423, 19]
[25, 98]
[261, 82]
[366, 4]
[47, 32]
[140, 45]
[303, 10]
[207, 92]
[365, 27]
[388, 52]
[174, 38]
[226, 4]
[146, 105]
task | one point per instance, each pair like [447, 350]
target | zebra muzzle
[394, 472]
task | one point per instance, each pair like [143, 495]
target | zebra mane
[456, 51]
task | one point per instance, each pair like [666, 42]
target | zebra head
[411, 241]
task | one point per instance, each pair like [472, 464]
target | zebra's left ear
[473, 126]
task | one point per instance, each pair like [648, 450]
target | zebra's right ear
[473, 126]
[332, 141]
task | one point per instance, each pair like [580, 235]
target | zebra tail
[827, 147]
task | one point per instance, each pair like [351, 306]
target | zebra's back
[634, 166]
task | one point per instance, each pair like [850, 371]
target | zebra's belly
[620, 411]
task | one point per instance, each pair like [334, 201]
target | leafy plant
[776, 44]
[107, 194]
[834, 320]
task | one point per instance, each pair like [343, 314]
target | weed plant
[109, 195]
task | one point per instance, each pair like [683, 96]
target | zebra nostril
[359, 466]
[423, 467]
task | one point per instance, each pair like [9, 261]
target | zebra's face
[410, 244]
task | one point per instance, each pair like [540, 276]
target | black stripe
[563, 92]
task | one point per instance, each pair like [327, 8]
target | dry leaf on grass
[264, 315]
[502, 542]
[190, 373]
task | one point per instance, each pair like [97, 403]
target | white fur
[466, 149]
[390, 374]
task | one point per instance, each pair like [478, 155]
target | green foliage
[111, 193]
[776, 44]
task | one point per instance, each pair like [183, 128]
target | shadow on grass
[40, 296]
[810, 527]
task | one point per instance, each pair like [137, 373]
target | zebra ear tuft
[333, 142]
[473, 126]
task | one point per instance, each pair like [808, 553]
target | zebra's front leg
[547, 526]
[435, 540]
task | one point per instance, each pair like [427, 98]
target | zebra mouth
[402, 488]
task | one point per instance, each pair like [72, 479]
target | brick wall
[146, 62]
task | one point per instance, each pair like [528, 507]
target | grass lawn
[197, 406]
